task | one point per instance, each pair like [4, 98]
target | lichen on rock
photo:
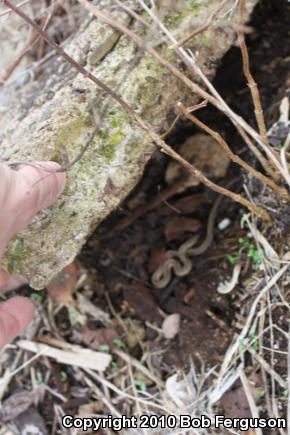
[59, 113]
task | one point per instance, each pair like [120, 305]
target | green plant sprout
[63, 376]
[105, 347]
[118, 342]
[140, 384]
[255, 254]
[74, 316]
[36, 297]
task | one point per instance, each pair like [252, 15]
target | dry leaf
[61, 288]
[197, 149]
[177, 390]
[94, 338]
[170, 326]
[87, 307]
[141, 300]
[178, 225]
[19, 402]
[29, 422]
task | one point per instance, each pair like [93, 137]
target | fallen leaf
[87, 307]
[141, 300]
[178, 225]
[91, 408]
[136, 332]
[94, 338]
[170, 326]
[185, 205]
[29, 422]
[61, 288]
[197, 149]
[157, 255]
[19, 402]
[177, 390]
[76, 356]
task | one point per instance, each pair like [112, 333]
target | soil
[123, 259]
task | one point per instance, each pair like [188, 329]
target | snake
[178, 261]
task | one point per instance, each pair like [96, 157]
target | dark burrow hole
[119, 261]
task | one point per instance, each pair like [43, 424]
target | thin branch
[268, 165]
[8, 11]
[280, 190]
[251, 82]
[216, 99]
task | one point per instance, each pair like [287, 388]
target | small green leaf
[104, 347]
[63, 376]
[140, 384]
[118, 342]
[232, 259]
[36, 296]
[74, 316]
[114, 366]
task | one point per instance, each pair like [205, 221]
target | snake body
[178, 261]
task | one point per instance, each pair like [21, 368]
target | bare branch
[251, 82]
[280, 190]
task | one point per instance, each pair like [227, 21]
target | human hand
[22, 194]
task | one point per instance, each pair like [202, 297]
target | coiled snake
[178, 261]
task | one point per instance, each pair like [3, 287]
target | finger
[8, 283]
[3, 278]
[15, 315]
[41, 188]
[23, 193]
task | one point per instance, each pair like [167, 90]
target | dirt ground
[123, 260]
[115, 267]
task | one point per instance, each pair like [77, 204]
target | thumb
[37, 189]
[15, 314]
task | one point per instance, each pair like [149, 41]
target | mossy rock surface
[58, 112]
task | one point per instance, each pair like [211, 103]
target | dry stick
[280, 190]
[251, 82]
[202, 28]
[216, 99]
[34, 37]
[8, 11]
[288, 365]
[264, 162]
[154, 136]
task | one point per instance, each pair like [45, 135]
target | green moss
[15, 255]
[71, 131]
[108, 151]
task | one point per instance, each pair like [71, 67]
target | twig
[266, 164]
[216, 99]
[202, 28]
[280, 190]
[268, 368]
[288, 363]
[8, 11]
[252, 315]
[249, 395]
[251, 82]
[34, 37]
